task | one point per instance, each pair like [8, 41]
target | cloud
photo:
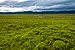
[12, 0]
[36, 5]
[20, 0]
[17, 9]
[2, 1]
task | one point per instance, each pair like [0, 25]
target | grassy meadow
[37, 31]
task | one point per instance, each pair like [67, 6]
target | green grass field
[37, 31]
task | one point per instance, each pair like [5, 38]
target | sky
[36, 5]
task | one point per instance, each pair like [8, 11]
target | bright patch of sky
[2, 1]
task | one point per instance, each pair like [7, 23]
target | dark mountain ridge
[45, 12]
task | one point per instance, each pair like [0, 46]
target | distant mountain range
[45, 12]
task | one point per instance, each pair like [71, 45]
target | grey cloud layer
[42, 5]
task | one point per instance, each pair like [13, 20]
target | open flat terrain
[37, 32]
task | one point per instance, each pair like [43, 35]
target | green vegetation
[37, 32]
